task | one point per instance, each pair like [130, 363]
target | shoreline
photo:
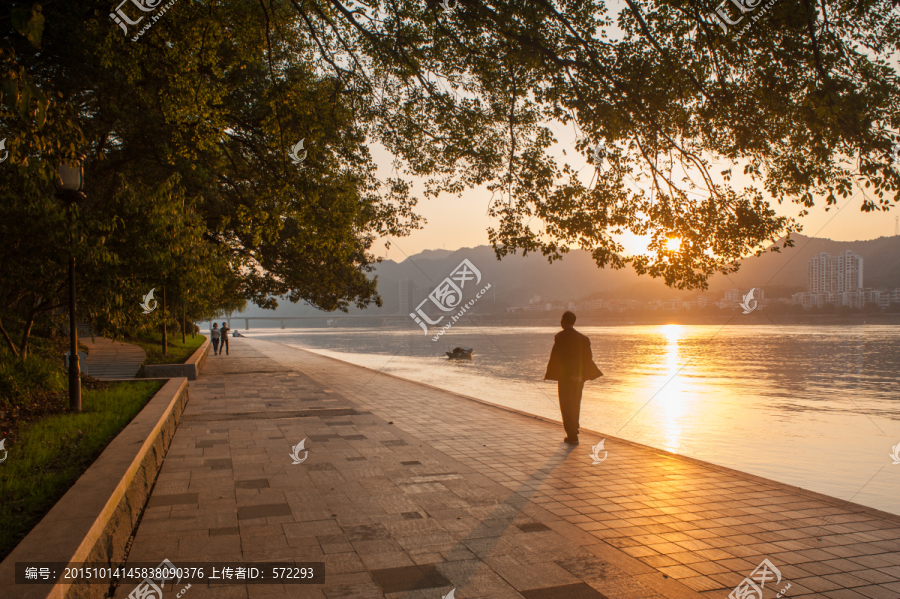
[593, 321]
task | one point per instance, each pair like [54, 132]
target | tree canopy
[801, 97]
[188, 123]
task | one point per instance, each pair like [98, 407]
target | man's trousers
[570, 405]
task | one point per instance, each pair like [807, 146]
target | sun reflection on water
[672, 400]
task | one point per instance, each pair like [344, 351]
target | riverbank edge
[95, 519]
[662, 452]
[393, 323]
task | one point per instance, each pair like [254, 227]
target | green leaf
[10, 93]
[29, 23]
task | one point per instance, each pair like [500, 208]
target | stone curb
[94, 520]
[190, 369]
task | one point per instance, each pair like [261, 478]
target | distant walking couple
[215, 335]
[571, 364]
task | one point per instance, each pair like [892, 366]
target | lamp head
[70, 180]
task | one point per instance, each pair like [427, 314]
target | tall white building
[835, 274]
[839, 280]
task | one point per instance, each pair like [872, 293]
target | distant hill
[432, 254]
[515, 279]
[881, 263]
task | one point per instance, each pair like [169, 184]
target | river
[814, 407]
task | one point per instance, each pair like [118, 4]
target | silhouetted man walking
[571, 364]
[225, 331]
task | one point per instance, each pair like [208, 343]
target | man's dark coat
[571, 357]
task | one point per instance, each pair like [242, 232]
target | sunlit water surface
[814, 407]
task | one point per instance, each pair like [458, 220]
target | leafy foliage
[188, 187]
[804, 102]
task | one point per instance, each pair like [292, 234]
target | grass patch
[50, 454]
[178, 352]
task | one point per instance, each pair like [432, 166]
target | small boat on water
[460, 353]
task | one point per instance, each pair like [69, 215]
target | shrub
[21, 379]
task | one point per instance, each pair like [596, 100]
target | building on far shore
[676, 305]
[838, 280]
[835, 274]
[733, 297]
[410, 296]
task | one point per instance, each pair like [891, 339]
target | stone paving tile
[401, 497]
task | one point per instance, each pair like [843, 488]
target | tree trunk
[9, 342]
[42, 306]
[165, 339]
[183, 330]
[26, 333]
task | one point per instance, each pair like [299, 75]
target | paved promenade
[410, 492]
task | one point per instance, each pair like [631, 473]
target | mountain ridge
[517, 278]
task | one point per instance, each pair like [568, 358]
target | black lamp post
[71, 178]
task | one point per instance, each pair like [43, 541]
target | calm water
[817, 408]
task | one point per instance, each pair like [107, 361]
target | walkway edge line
[661, 452]
[93, 521]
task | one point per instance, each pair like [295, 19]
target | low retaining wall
[95, 518]
[190, 369]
